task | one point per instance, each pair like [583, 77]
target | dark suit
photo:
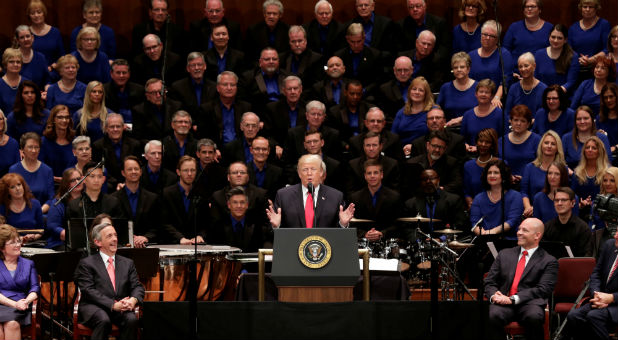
[370, 71]
[255, 232]
[290, 200]
[212, 179]
[257, 39]
[390, 99]
[455, 146]
[235, 62]
[105, 204]
[535, 287]
[449, 208]
[356, 177]
[339, 118]
[166, 178]
[273, 178]
[391, 145]
[210, 119]
[257, 202]
[144, 68]
[277, 119]
[234, 151]
[147, 219]
[447, 167]
[98, 295]
[323, 91]
[430, 67]
[179, 223]
[175, 42]
[386, 210]
[335, 38]
[295, 143]
[252, 88]
[586, 322]
[336, 173]
[146, 123]
[200, 31]
[310, 65]
[183, 91]
[437, 26]
[384, 35]
[171, 153]
[104, 148]
[134, 91]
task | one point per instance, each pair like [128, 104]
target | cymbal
[417, 219]
[448, 231]
[460, 245]
[360, 220]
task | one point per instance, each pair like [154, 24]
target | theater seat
[31, 331]
[514, 328]
[80, 330]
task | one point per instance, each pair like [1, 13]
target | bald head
[403, 69]
[530, 233]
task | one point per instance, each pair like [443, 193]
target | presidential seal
[314, 252]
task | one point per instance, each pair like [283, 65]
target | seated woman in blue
[483, 116]
[612, 46]
[47, 39]
[588, 175]
[529, 90]
[34, 65]
[90, 118]
[487, 149]
[92, 11]
[496, 179]
[411, 120]
[457, 96]
[486, 59]
[37, 174]
[56, 223]
[19, 284]
[548, 151]
[68, 90]
[19, 207]
[467, 35]
[557, 63]
[554, 113]
[584, 128]
[9, 148]
[607, 120]
[587, 36]
[530, 34]
[521, 144]
[56, 148]
[29, 114]
[93, 64]
[588, 92]
[557, 176]
[11, 62]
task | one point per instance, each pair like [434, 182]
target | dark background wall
[122, 15]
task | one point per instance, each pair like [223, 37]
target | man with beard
[263, 85]
[330, 90]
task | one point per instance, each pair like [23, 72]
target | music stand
[146, 260]
[58, 266]
[555, 248]
[76, 235]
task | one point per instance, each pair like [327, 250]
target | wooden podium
[298, 281]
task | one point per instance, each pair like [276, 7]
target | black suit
[390, 98]
[105, 204]
[171, 153]
[147, 219]
[212, 179]
[535, 287]
[175, 43]
[339, 118]
[384, 35]
[257, 202]
[200, 31]
[335, 38]
[183, 91]
[290, 200]
[449, 208]
[295, 143]
[210, 119]
[98, 295]
[356, 177]
[386, 210]
[429, 67]
[277, 119]
[134, 91]
[144, 68]
[370, 71]
[235, 62]
[447, 167]
[257, 39]
[254, 234]
[103, 148]
[391, 145]
[273, 178]
[165, 179]
[179, 223]
[323, 91]
[437, 26]
[455, 146]
[146, 123]
[310, 65]
[252, 88]
[336, 173]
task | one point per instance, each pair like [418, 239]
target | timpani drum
[216, 275]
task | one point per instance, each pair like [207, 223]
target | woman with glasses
[47, 39]
[9, 83]
[56, 223]
[554, 113]
[530, 34]
[18, 205]
[557, 176]
[92, 11]
[19, 285]
[457, 96]
[37, 174]
[520, 144]
[467, 35]
[29, 114]
[56, 148]
[90, 118]
[607, 120]
[34, 64]
[68, 90]
[93, 63]
[9, 148]
[584, 128]
[587, 36]
[589, 91]
[82, 151]
[557, 63]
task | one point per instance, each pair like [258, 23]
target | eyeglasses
[89, 39]
[14, 243]
[487, 35]
[437, 147]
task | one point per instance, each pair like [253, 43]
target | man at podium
[294, 205]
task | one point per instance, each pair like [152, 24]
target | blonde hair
[88, 108]
[613, 171]
[559, 157]
[87, 30]
[428, 101]
[602, 162]
[10, 53]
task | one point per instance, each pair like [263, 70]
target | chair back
[572, 274]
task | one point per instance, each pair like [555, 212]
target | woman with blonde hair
[583, 128]
[12, 61]
[68, 90]
[89, 120]
[411, 121]
[457, 96]
[588, 175]
[467, 35]
[93, 64]
[47, 39]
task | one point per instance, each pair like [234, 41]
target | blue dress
[41, 181]
[519, 40]
[471, 124]
[108, 40]
[489, 67]
[410, 127]
[25, 281]
[10, 155]
[544, 208]
[29, 218]
[532, 100]
[455, 102]
[587, 189]
[36, 70]
[472, 178]
[50, 45]
[98, 69]
[74, 99]
[532, 181]
[610, 126]
[546, 71]
[462, 41]
[57, 157]
[483, 206]
[562, 125]
[55, 223]
[585, 95]
[572, 154]
[7, 95]
[518, 155]
[15, 129]
[590, 41]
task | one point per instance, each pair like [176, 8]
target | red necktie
[309, 211]
[520, 270]
[611, 272]
[111, 272]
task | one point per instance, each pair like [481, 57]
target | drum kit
[423, 253]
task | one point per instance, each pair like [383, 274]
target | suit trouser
[590, 323]
[101, 325]
[530, 317]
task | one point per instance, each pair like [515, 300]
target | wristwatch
[512, 297]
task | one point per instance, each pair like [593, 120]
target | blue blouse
[518, 155]
[519, 40]
[15, 129]
[98, 69]
[36, 70]
[41, 181]
[7, 95]
[590, 41]
[532, 181]
[463, 41]
[546, 71]
[108, 40]
[572, 154]
[533, 100]
[10, 155]
[93, 127]
[587, 189]
[610, 126]
[483, 206]
[29, 218]
[50, 45]
[471, 124]
[472, 178]
[489, 67]
[455, 102]
[55, 223]
[585, 95]
[562, 125]
[544, 208]
[74, 100]
[410, 127]
[57, 157]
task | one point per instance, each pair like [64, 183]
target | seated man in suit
[180, 142]
[299, 60]
[211, 174]
[193, 90]
[376, 202]
[240, 229]
[160, 23]
[270, 32]
[150, 63]
[154, 177]
[109, 286]
[425, 62]
[214, 16]
[392, 94]
[138, 204]
[294, 205]
[153, 117]
[375, 121]
[520, 281]
[372, 149]
[436, 121]
[598, 318]
[121, 94]
[92, 201]
[222, 56]
[286, 113]
[330, 90]
[347, 117]
[237, 150]
[324, 34]
[262, 173]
